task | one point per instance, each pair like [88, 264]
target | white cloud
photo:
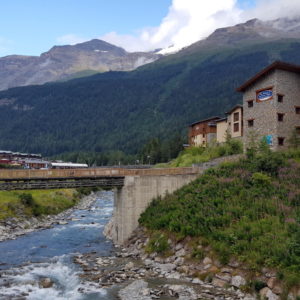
[70, 39]
[273, 9]
[187, 21]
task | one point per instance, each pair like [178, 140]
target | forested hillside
[124, 110]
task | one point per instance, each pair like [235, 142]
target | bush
[27, 199]
[261, 179]
[158, 243]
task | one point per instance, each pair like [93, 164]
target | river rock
[137, 290]
[165, 268]
[224, 277]
[129, 266]
[197, 281]
[207, 261]
[179, 261]
[46, 283]
[181, 291]
[180, 253]
[238, 281]
[178, 246]
[268, 294]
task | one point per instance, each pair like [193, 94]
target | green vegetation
[158, 243]
[196, 155]
[123, 111]
[249, 210]
[36, 202]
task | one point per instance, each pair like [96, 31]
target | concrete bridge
[134, 188]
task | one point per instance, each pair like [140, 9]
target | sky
[31, 27]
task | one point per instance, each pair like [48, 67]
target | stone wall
[264, 114]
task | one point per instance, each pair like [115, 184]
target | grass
[43, 202]
[249, 210]
[197, 155]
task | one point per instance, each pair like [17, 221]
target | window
[250, 103]
[236, 117]
[250, 123]
[281, 141]
[297, 110]
[280, 117]
[279, 98]
[297, 129]
[236, 127]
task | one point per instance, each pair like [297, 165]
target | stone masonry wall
[264, 113]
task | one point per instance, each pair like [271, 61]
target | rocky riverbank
[14, 227]
[151, 276]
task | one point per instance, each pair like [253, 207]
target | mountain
[66, 62]
[124, 110]
[250, 32]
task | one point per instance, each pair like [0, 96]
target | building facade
[203, 132]
[271, 104]
[222, 130]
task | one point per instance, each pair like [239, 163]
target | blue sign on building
[269, 139]
[265, 95]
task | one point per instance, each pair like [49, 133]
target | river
[26, 261]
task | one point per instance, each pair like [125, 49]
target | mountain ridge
[63, 62]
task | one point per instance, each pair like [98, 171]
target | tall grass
[35, 202]
[196, 155]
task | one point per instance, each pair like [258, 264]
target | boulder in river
[46, 283]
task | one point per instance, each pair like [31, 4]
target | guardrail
[91, 172]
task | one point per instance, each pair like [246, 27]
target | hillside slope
[248, 211]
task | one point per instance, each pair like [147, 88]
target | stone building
[203, 132]
[271, 104]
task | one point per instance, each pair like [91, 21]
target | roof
[276, 65]
[35, 161]
[234, 108]
[205, 120]
[63, 165]
[221, 120]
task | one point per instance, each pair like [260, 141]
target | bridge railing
[91, 172]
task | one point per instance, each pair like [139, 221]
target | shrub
[198, 253]
[261, 179]
[158, 243]
[27, 199]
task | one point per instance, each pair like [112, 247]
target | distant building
[222, 130]
[235, 121]
[35, 164]
[203, 132]
[271, 102]
[231, 126]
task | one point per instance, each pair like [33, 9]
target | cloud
[273, 9]
[187, 21]
[70, 39]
